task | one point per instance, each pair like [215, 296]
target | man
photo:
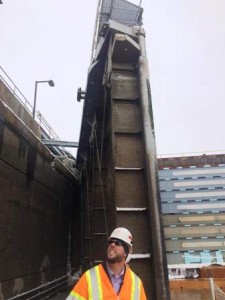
[111, 279]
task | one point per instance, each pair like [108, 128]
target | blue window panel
[219, 257]
[206, 257]
[190, 258]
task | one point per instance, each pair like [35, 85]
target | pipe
[211, 284]
[37, 289]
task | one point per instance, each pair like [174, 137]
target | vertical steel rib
[159, 253]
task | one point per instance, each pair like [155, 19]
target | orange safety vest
[96, 285]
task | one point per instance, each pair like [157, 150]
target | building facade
[193, 206]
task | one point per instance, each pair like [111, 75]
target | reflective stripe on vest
[135, 287]
[94, 284]
[74, 296]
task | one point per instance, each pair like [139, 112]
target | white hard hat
[122, 234]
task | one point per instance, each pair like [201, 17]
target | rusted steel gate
[117, 157]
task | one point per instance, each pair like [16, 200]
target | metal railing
[44, 124]
[45, 290]
[15, 90]
[26, 104]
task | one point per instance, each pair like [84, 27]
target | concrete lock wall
[37, 209]
[11, 101]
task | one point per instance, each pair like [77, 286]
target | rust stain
[31, 162]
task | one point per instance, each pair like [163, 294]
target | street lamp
[50, 82]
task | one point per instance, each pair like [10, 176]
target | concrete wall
[38, 204]
[16, 106]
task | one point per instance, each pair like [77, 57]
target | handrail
[44, 288]
[26, 104]
[15, 90]
[43, 123]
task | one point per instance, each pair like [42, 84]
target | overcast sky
[52, 39]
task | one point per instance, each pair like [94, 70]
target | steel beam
[59, 143]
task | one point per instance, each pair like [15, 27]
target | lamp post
[50, 82]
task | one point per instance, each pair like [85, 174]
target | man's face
[115, 251]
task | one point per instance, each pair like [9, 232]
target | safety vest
[95, 285]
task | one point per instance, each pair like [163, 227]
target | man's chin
[111, 260]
